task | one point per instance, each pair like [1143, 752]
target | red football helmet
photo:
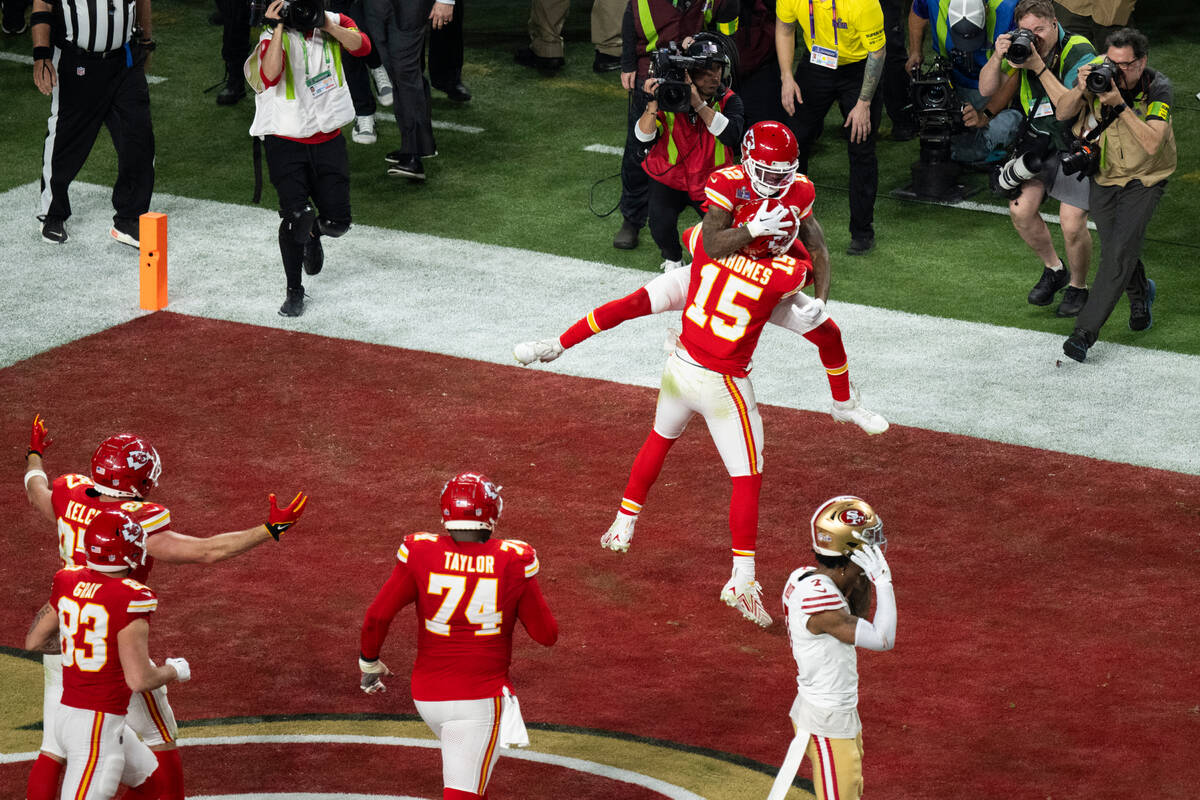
[125, 465]
[114, 541]
[770, 157]
[471, 502]
[766, 246]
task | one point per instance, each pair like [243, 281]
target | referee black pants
[90, 92]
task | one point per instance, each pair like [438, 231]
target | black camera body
[1083, 158]
[671, 67]
[1022, 47]
[935, 103]
[298, 15]
[1102, 77]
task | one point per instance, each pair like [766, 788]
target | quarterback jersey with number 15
[75, 502]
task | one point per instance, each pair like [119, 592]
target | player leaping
[728, 301]
[124, 470]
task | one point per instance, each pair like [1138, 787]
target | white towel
[512, 726]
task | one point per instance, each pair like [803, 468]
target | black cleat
[408, 166]
[54, 230]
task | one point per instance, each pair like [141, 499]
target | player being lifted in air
[727, 302]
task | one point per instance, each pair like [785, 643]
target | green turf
[527, 182]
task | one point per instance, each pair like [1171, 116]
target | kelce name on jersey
[78, 512]
[461, 563]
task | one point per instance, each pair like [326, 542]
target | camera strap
[1107, 119]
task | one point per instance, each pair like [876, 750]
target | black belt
[93, 54]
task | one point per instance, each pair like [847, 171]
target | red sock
[146, 790]
[645, 471]
[43, 778]
[459, 794]
[743, 514]
[169, 775]
[828, 339]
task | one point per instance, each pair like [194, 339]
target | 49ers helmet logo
[853, 516]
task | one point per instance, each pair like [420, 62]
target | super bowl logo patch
[80, 71]
[742, 193]
[852, 516]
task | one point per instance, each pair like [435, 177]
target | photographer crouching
[1122, 110]
[299, 113]
[1047, 58]
[698, 122]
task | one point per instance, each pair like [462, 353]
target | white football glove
[871, 559]
[768, 222]
[181, 668]
[541, 350]
[373, 673]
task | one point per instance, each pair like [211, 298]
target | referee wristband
[35, 473]
[40, 53]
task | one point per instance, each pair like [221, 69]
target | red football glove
[39, 439]
[280, 519]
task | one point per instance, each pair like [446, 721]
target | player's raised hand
[39, 438]
[871, 559]
[541, 350]
[373, 673]
[280, 519]
[769, 221]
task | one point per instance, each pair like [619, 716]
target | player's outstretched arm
[43, 632]
[37, 485]
[177, 548]
[141, 674]
[534, 613]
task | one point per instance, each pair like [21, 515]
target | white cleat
[746, 597]
[619, 535]
[541, 350]
[852, 411]
[668, 265]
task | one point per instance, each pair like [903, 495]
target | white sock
[743, 566]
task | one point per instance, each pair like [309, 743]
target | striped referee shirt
[98, 26]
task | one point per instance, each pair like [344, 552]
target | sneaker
[54, 230]
[527, 58]
[383, 85]
[619, 535]
[860, 247]
[1052, 280]
[364, 130]
[852, 411]
[605, 63]
[314, 256]
[1140, 318]
[125, 231]
[542, 350]
[746, 597]
[669, 265]
[1076, 346]
[293, 306]
[408, 167]
[627, 237]
[1074, 299]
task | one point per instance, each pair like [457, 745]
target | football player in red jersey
[100, 616]
[728, 301]
[469, 590]
[124, 469]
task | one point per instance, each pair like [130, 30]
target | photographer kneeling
[299, 113]
[1123, 113]
[697, 121]
[1047, 59]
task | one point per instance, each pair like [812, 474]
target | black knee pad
[298, 224]
[332, 228]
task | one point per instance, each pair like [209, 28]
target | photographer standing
[689, 143]
[299, 113]
[1137, 154]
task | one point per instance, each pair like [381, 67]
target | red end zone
[1045, 642]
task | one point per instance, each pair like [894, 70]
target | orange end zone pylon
[152, 237]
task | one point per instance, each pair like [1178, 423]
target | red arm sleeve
[399, 591]
[609, 315]
[365, 47]
[535, 615]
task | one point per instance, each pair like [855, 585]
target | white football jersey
[826, 669]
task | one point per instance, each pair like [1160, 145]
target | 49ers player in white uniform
[824, 607]
[124, 470]
[470, 591]
[100, 614]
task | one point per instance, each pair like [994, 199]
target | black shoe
[126, 231]
[1072, 303]
[458, 92]
[1052, 280]
[627, 237]
[293, 306]
[314, 256]
[407, 166]
[1140, 318]
[54, 230]
[605, 63]
[527, 58]
[860, 247]
[234, 89]
[1077, 344]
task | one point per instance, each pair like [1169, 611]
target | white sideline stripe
[20, 59]
[304, 796]
[386, 116]
[607, 149]
[1126, 404]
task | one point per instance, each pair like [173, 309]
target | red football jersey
[730, 188]
[76, 502]
[93, 608]
[729, 301]
[469, 596]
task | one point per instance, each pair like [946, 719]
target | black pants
[635, 183]
[446, 51]
[399, 26]
[1121, 214]
[760, 92]
[300, 172]
[91, 92]
[821, 88]
[666, 204]
[235, 34]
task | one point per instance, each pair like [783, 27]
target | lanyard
[812, 24]
[324, 52]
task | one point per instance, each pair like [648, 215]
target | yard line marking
[20, 59]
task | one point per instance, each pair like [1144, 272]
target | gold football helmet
[843, 524]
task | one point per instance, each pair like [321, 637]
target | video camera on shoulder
[1022, 47]
[935, 103]
[298, 15]
[671, 66]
